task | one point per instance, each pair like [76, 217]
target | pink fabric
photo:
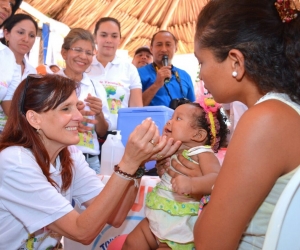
[117, 243]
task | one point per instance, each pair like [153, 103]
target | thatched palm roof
[140, 19]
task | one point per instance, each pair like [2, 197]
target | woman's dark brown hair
[41, 95]
[14, 20]
[270, 47]
[104, 20]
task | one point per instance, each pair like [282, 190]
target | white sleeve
[101, 93]
[86, 184]
[26, 192]
[135, 80]
[16, 79]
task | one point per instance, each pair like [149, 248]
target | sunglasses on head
[30, 76]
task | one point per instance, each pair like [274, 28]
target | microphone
[165, 62]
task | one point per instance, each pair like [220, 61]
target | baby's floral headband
[210, 107]
[287, 9]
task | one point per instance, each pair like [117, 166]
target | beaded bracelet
[136, 184]
[137, 175]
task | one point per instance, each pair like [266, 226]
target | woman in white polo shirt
[118, 76]
[77, 51]
[10, 80]
[19, 36]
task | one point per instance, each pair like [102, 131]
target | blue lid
[146, 109]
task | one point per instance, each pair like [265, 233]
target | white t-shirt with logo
[10, 77]
[118, 78]
[28, 202]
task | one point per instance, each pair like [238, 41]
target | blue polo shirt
[148, 77]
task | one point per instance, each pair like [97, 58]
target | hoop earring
[7, 43]
[234, 74]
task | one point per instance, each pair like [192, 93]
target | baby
[172, 209]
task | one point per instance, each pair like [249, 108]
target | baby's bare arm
[210, 167]
[198, 185]
[208, 163]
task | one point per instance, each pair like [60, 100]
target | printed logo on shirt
[86, 139]
[4, 84]
[115, 104]
[3, 119]
[113, 99]
[108, 83]
[115, 93]
[41, 239]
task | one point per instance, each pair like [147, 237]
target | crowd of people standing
[248, 51]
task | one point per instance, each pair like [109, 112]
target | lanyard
[177, 79]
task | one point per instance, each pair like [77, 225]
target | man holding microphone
[164, 84]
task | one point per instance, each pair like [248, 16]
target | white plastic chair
[284, 228]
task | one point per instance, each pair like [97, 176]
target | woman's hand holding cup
[143, 143]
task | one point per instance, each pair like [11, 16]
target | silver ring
[152, 142]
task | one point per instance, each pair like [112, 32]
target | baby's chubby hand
[181, 184]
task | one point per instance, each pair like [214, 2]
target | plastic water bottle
[111, 153]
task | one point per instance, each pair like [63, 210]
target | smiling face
[108, 39]
[21, 37]
[182, 125]
[59, 127]
[78, 58]
[6, 9]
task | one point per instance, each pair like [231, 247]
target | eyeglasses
[80, 51]
[35, 76]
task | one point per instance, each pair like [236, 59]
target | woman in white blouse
[77, 51]
[19, 35]
[8, 81]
